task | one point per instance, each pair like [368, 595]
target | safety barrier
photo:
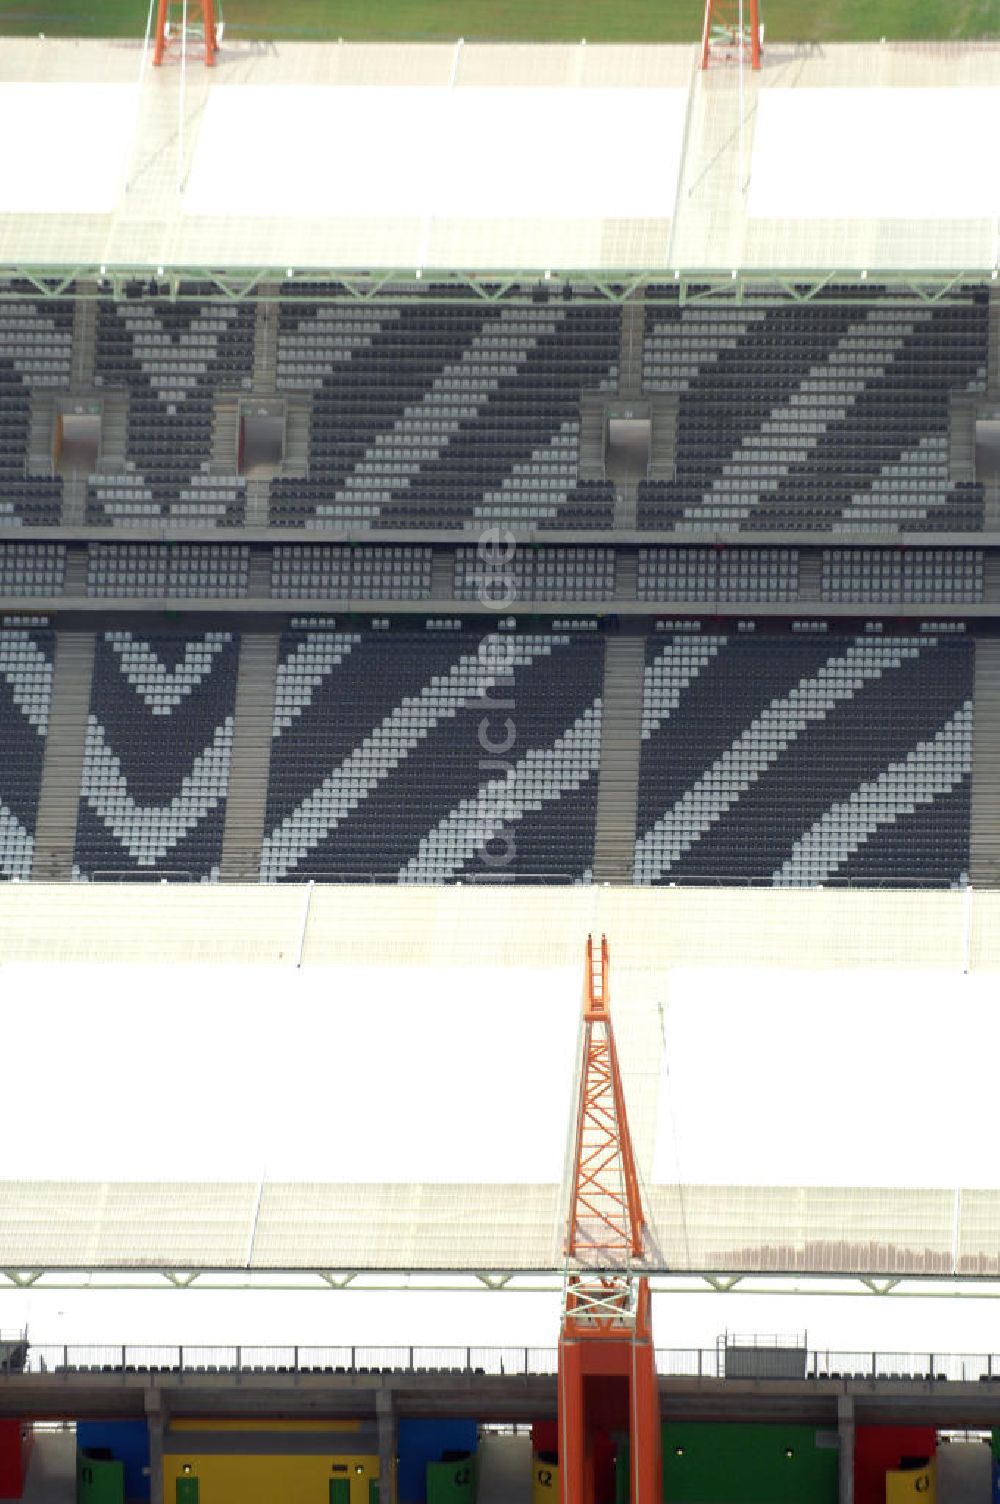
[693, 1363]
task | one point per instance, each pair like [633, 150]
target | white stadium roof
[495, 157]
[257, 1114]
[424, 1228]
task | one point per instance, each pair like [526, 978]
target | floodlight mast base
[732, 31]
[168, 39]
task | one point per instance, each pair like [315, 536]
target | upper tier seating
[306, 571]
[396, 754]
[172, 359]
[25, 701]
[442, 415]
[830, 416]
[805, 759]
[156, 761]
[36, 351]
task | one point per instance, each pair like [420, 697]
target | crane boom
[607, 1371]
[606, 1223]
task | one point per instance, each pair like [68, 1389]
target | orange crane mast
[607, 1371]
[732, 30]
[200, 20]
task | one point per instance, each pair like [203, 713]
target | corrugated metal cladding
[766, 1362]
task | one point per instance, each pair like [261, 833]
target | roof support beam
[664, 285]
[880, 1286]
[516, 1282]
[180, 1280]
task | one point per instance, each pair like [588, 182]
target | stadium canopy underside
[473, 166]
[189, 284]
[491, 1236]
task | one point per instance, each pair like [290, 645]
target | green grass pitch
[522, 20]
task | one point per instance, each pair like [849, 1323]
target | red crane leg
[646, 1458]
[607, 1371]
[160, 47]
[608, 1386]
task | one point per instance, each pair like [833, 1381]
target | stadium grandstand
[455, 499]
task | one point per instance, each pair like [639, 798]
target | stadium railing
[122, 1360]
[502, 876]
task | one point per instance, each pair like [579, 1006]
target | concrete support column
[385, 1409]
[157, 1421]
[845, 1433]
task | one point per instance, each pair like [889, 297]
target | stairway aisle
[630, 348]
[984, 834]
[618, 778]
[225, 436]
[663, 411]
[593, 425]
[62, 771]
[246, 801]
[265, 347]
[84, 342]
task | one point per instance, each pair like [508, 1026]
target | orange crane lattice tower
[723, 35]
[607, 1370]
[168, 31]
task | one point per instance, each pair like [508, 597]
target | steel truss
[513, 1282]
[667, 285]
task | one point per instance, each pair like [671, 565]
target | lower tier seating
[423, 756]
[156, 762]
[804, 760]
[441, 754]
[25, 701]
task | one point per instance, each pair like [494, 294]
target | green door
[187, 1491]
[340, 1491]
[99, 1480]
[372, 1491]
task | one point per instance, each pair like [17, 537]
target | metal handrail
[126, 1359]
[474, 876]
